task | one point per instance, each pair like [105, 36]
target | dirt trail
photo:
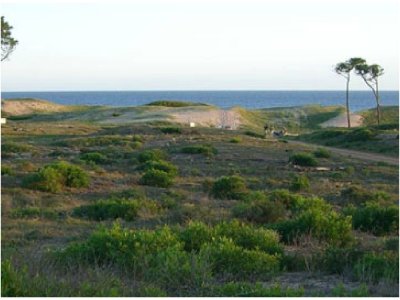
[341, 121]
[355, 154]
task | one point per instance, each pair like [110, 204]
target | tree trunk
[378, 108]
[347, 102]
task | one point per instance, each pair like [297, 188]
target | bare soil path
[354, 154]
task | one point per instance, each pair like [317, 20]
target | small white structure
[192, 124]
[3, 121]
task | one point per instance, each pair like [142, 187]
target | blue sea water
[359, 100]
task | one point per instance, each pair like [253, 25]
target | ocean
[359, 100]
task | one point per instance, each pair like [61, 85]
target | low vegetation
[160, 210]
[56, 176]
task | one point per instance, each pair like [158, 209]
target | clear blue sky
[198, 44]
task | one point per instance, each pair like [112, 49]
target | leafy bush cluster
[157, 172]
[299, 183]
[295, 216]
[171, 130]
[151, 155]
[364, 266]
[190, 256]
[113, 208]
[258, 208]
[102, 141]
[54, 177]
[375, 218]
[34, 212]
[94, 157]
[358, 195]
[303, 159]
[229, 187]
[206, 150]
[322, 153]
[6, 170]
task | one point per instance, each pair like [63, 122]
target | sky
[197, 44]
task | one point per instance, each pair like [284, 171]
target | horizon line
[198, 90]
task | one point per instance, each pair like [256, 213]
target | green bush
[154, 155]
[11, 147]
[6, 170]
[374, 218]
[360, 134]
[157, 178]
[339, 260]
[254, 134]
[171, 130]
[392, 244]
[229, 187]
[195, 235]
[322, 153]
[54, 177]
[358, 195]
[249, 237]
[235, 140]
[206, 150]
[246, 289]
[327, 226]
[299, 183]
[375, 267]
[227, 258]
[94, 157]
[303, 159]
[109, 209]
[261, 211]
[34, 212]
[160, 165]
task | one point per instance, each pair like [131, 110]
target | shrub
[254, 134]
[6, 170]
[34, 212]
[229, 187]
[376, 267]
[159, 165]
[392, 244]
[235, 140]
[322, 153]
[109, 209]
[338, 260]
[228, 258]
[55, 176]
[300, 182]
[360, 134]
[303, 159]
[358, 195]
[206, 150]
[11, 147]
[326, 226]
[171, 130]
[262, 211]
[375, 218]
[195, 235]
[157, 178]
[249, 237]
[94, 157]
[155, 155]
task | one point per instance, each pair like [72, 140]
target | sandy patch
[25, 107]
[219, 118]
[341, 121]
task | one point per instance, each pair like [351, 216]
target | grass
[206, 234]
